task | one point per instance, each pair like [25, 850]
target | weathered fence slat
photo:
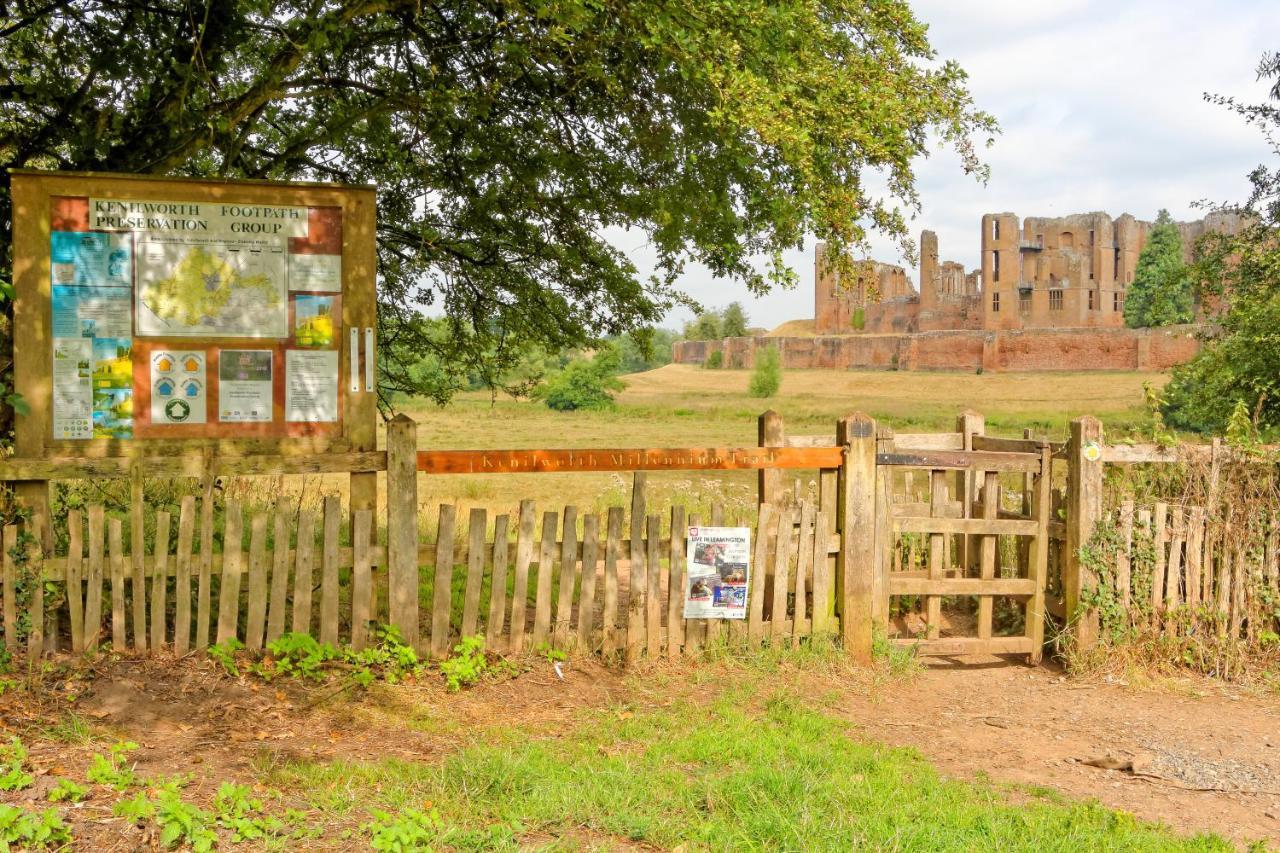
[636, 580]
[442, 589]
[206, 564]
[35, 609]
[10, 590]
[675, 583]
[279, 574]
[137, 536]
[821, 575]
[520, 589]
[75, 586]
[755, 595]
[229, 581]
[653, 593]
[119, 634]
[1161, 541]
[159, 581]
[937, 542]
[256, 617]
[804, 566]
[568, 565]
[590, 580]
[477, 523]
[303, 572]
[781, 566]
[361, 578]
[182, 576]
[329, 590]
[609, 612]
[546, 568]
[498, 584]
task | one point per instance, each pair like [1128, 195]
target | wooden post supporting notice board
[1084, 510]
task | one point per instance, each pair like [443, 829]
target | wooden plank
[477, 526]
[1084, 512]
[138, 550]
[1160, 543]
[987, 552]
[1238, 581]
[1009, 445]
[361, 579]
[74, 575]
[928, 440]
[966, 526]
[546, 567]
[653, 594]
[10, 590]
[636, 583]
[1038, 569]
[857, 435]
[520, 590]
[402, 528]
[695, 630]
[568, 571]
[810, 440]
[759, 570]
[93, 595]
[1223, 600]
[821, 622]
[611, 643]
[329, 591]
[781, 572]
[279, 573]
[983, 587]
[189, 465]
[159, 580]
[675, 582]
[1124, 563]
[442, 590]
[115, 544]
[256, 607]
[495, 625]
[303, 570]
[770, 433]
[35, 569]
[1173, 577]
[229, 585]
[933, 604]
[1195, 556]
[968, 646]
[887, 543]
[625, 459]
[960, 460]
[182, 576]
[206, 563]
[590, 580]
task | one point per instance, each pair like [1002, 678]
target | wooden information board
[221, 317]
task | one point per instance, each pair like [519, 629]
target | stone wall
[967, 350]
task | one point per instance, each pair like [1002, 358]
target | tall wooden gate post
[1084, 510]
[855, 567]
[402, 526]
[770, 479]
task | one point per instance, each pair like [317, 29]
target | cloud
[1101, 107]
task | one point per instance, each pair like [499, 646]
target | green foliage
[13, 761]
[114, 771]
[1240, 273]
[408, 831]
[714, 361]
[31, 830]
[298, 655]
[1161, 291]
[510, 141]
[243, 815]
[644, 349]
[583, 383]
[858, 318]
[466, 665]
[225, 654]
[734, 320]
[766, 377]
[67, 791]
[705, 326]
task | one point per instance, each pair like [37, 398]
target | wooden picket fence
[570, 580]
[1177, 569]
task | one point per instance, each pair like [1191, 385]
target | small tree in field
[766, 378]
[734, 321]
[583, 384]
[1161, 291]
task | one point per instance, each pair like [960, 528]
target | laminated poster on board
[719, 567]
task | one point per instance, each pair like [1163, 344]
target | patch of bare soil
[1197, 756]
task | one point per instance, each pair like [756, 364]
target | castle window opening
[995, 266]
[1117, 301]
[995, 303]
[995, 229]
[1090, 300]
[1024, 301]
[1115, 270]
[1055, 300]
[1090, 238]
[1068, 240]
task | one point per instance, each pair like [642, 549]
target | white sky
[1100, 106]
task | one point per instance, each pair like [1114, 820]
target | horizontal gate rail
[966, 526]
[1012, 587]
[191, 464]
[626, 459]
[955, 459]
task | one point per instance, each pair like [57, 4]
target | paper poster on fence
[718, 572]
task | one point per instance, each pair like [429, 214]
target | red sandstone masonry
[1040, 349]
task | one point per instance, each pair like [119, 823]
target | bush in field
[766, 378]
[714, 361]
[583, 384]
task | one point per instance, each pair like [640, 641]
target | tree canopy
[1161, 292]
[1238, 369]
[508, 138]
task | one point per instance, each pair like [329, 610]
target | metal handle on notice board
[353, 360]
[370, 363]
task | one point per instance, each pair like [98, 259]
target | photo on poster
[112, 388]
[718, 568]
[91, 259]
[245, 386]
[313, 321]
[177, 387]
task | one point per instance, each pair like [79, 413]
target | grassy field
[687, 406]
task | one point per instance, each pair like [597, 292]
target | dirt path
[1030, 726]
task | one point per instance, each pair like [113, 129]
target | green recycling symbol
[177, 410]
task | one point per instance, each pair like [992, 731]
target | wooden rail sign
[192, 315]
[629, 459]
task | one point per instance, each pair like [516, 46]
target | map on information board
[191, 288]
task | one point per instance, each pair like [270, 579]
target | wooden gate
[960, 515]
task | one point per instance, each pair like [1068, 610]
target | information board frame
[35, 195]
